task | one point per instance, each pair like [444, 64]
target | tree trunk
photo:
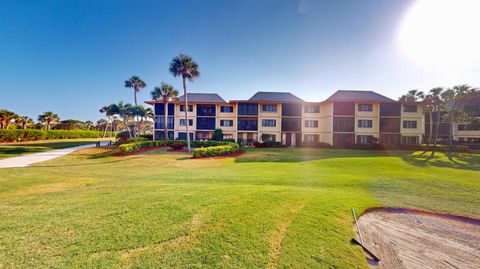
[436, 133]
[165, 115]
[450, 134]
[430, 131]
[106, 127]
[186, 113]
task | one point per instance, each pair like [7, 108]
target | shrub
[217, 134]
[268, 144]
[136, 146]
[216, 150]
[311, 144]
[16, 135]
[136, 139]
[177, 145]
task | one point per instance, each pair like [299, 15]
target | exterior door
[288, 140]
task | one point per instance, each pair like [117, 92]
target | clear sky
[72, 57]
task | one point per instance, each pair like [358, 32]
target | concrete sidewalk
[29, 159]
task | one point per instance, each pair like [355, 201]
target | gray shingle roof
[202, 98]
[275, 97]
[358, 96]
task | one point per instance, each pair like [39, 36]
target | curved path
[29, 159]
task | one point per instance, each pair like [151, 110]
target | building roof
[358, 96]
[280, 97]
[202, 98]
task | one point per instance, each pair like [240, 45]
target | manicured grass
[278, 208]
[15, 149]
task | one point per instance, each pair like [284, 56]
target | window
[205, 110]
[269, 108]
[311, 137]
[365, 107]
[292, 110]
[365, 123]
[227, 136]
[344, 108]
[312, 108]
[269, 123]
[183, 136]
[388, 125]
[268, 137]
[410, 140]
[364, 139]
[409, 108]
[410, 124]
[160, 122]
[247, 124]
[205, 123]
[226, 109]
[311, 123]
[247, 109]
[226, 122]
[344, 124]
[190, 108]
[182, 122]
[291, 125]
[390, 109]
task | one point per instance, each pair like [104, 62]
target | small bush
[16, 135]
[136, 139]
[177, 145]
[136, 146]
[268, 144]
[216, 150]
[311, 144]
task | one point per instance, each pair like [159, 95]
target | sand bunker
[413, 239]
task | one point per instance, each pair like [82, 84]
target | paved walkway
[27, 160]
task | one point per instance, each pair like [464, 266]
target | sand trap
[413, 239]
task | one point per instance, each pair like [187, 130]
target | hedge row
[136, 144]
[20, 135]
[216, 150]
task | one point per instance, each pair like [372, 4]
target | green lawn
[16, 149]
[279, 208]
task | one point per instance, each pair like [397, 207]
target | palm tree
[6, 118]
[165, 93]
[136, 84]
[24, 121]
[110, 112]
[187, 68]
[89, 124]
[433, 105]
[48, 118]
[455, 98]
[412, 96]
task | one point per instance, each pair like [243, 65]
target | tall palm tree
[135, 83]
[89, 124]
[109, 112]
[24, 121]
[433, 105]
[6, 117]
[187, 68]
[166, 93]
[412, 96]
[48, 118]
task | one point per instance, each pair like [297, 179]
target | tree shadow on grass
[293, 155]
[465, 161]
[19, 151]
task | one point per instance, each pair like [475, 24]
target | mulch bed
[178, 150]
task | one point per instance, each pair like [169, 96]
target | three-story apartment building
[343, 119]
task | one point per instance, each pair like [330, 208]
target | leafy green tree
[48, 118]
[217, 134]
[24, 121]
[6, 118]
[165, 93]
[455, 99]
[412, 96]
[433, 104]
[185, 67]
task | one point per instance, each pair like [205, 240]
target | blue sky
[72, 57]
